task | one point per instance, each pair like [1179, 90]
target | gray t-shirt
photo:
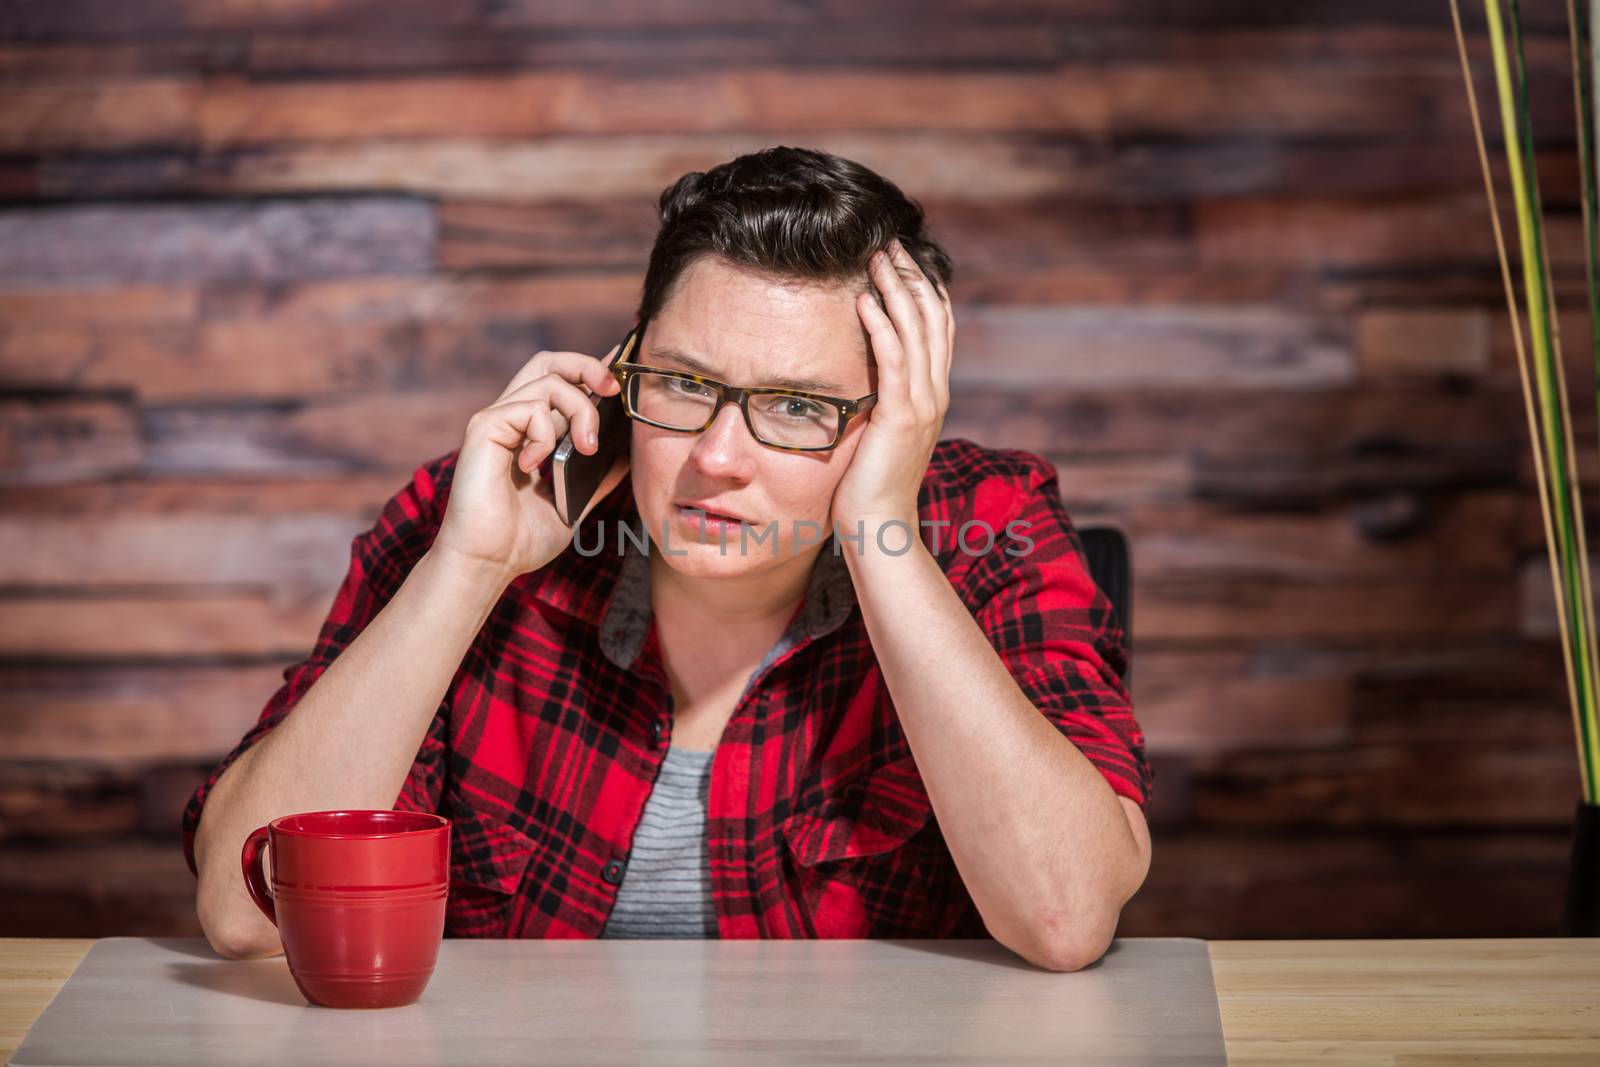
[666, 886]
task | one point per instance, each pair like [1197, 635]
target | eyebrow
[690, 363]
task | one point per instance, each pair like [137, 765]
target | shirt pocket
[865, 860]
[837, 830]
[488, 859]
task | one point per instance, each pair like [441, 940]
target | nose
[725, 448]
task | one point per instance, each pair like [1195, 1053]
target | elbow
[243, 941]
[1067, 938]
[1067, 942]
[235, 930]
[1061, 931]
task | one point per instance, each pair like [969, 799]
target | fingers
[572, 410]
[935, 318]
[944, 359]
[578, 367]
[524, 427]
[907, 319]
[565, 407]
[531, 422]
[551, 394]
[539, 436]
[894, 392]
[597, 375]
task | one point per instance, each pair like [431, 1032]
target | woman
[859, 735]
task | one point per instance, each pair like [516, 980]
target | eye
[796, 407]
[686, 387]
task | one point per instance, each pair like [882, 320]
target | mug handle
[255, 878]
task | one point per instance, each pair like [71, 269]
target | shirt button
[658, 730]
[613, 872]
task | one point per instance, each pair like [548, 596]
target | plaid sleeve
[380, 559]
[1055, 629]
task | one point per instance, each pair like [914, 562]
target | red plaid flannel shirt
[547, 742]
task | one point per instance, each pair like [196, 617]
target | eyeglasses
[779, 418]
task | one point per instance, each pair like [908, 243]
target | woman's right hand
[499, 511]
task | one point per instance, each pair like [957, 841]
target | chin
[710, 560]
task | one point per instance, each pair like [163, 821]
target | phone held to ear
[577, 475]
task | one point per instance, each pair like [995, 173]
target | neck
[768, 595]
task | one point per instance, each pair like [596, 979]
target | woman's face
[746, 329]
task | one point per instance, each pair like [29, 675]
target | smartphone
[577, 475]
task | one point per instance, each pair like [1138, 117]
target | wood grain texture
[1395, 1003]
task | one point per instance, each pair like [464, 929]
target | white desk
[171, 1001]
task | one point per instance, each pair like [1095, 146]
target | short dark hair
[798, 214]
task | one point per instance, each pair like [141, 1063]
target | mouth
[695, 513]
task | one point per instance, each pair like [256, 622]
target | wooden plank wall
[1226, 262]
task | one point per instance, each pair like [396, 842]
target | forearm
[1041, 841]
[352, 738]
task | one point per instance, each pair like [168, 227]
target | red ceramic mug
[358, 898]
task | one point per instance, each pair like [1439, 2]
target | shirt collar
[611, 591]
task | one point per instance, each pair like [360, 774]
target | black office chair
[1111, 567]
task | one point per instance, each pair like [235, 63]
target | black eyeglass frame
[623, 370]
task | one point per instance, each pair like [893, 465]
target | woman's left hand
[912, 346]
